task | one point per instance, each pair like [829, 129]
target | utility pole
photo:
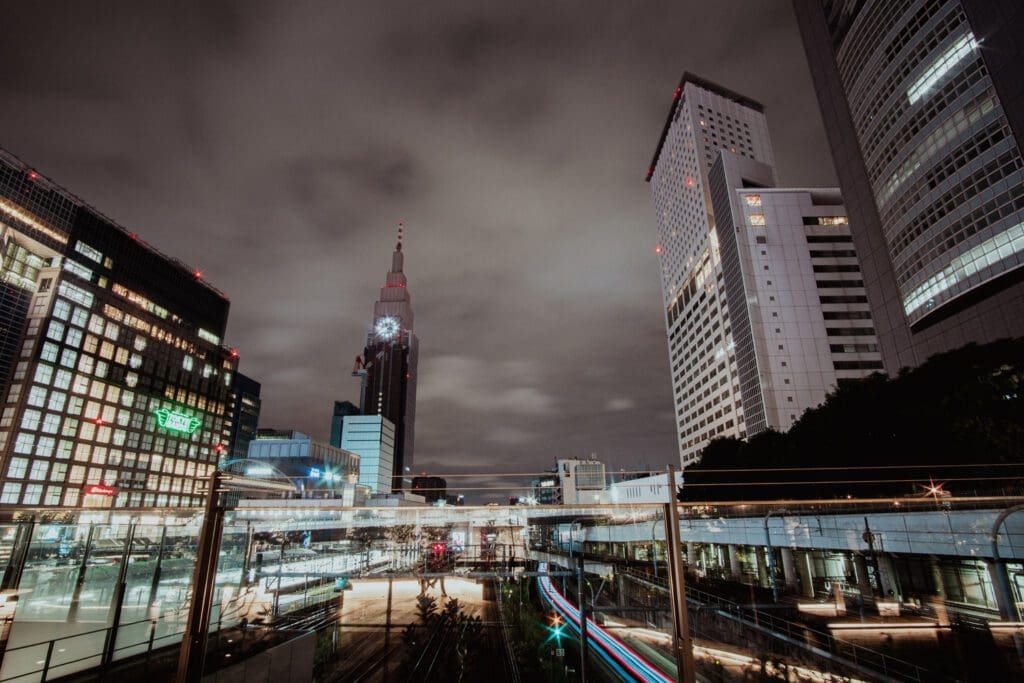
[682, 644]
[193, 645]
[192, 657]
[583, 617]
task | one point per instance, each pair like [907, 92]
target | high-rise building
[703, 119]
[389, 365]
[372, 438]
[432, 489]
[924, 110]
[245, 414]
[116, 388]
[342, 409]
[800, 318]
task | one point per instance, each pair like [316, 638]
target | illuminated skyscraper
[116, 388]
[703, 119]
[389, 364]
[924, 110]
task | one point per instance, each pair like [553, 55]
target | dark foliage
[951, 419]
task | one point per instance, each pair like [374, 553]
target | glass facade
[106, 362]
[944, 167]
[372, 438]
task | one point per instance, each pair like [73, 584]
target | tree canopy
[958, 418]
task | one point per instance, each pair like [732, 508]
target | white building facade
[704, 119]
[801, 322]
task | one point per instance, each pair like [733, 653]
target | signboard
[99, 490]
[173, 421]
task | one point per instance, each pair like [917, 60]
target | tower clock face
[387, 328]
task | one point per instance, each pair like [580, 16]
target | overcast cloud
[276, 146]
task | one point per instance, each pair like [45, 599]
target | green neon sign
[173, 421]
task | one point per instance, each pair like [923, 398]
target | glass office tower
[924, 111]
[115, 385]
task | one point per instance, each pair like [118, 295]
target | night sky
[275, 146]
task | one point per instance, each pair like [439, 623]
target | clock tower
[389, 361]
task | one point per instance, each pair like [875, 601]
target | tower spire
[396, 258]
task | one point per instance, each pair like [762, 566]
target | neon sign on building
[173, 421]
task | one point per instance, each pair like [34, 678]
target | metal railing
[60, 667]
[802, 635]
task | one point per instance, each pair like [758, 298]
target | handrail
[796, 630]
[51, 644]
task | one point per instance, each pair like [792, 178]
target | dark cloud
[276, 146]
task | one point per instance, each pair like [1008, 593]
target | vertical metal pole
[19, 553]
[247, 558]
[13, 572]
[770, 556]
[118, 600]
[193, 644]
[583, 617]
[76, 595]
[682, 644]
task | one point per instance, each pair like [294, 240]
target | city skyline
[512, 145]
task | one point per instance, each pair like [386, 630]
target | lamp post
[682, 643]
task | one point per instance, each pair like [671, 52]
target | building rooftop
[710, 86]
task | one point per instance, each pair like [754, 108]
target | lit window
[70, 497]
[62, 379]
[757, 219]
[55, 331]
[49, 352]
[753, 199]
[76, 294]
[17, 468]
[53, 495]
[953, 55]
[51, 423]
[61, 310]
[87, 251]
[33, 492]
[39, 470]
[37, 397]
[30, 419]
[11, 493]
[990, 252]
[187, 362]
[43, 374]
[78, 269]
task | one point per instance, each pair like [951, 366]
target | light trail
[622, 658]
